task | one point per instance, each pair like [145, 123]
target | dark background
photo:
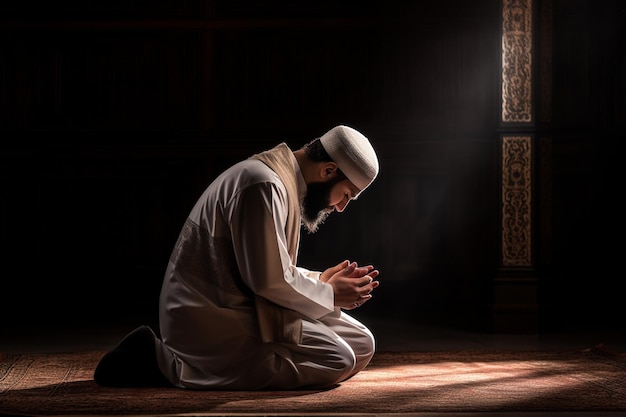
[115, 115]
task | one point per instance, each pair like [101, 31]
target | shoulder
[253, 171]
[249, 174]
[251, 183]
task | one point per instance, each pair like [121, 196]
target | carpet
[406, 382]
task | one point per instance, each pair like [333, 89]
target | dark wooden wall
[115, 115]
[581, 115]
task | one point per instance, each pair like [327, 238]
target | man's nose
[342, 205]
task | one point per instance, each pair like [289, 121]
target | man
[236, 312]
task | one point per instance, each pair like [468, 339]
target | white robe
[233, 246]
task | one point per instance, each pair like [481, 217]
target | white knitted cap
[353, 154]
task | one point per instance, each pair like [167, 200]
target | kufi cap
[353, 154]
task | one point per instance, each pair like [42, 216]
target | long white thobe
[233, 246]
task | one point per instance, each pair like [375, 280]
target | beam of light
[515, 383]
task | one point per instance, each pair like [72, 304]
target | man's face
[322, 198]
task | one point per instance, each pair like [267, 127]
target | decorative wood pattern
[517, 61]
[516, 201]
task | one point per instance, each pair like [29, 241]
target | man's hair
[315, 151]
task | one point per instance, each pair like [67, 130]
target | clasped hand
[352, 284]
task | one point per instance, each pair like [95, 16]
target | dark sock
[132, 363]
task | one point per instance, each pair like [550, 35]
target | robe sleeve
[258, 222]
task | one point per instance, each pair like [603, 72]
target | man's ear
[328, 170]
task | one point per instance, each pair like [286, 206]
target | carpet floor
[591, 380]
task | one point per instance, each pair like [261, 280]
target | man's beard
[315, 207]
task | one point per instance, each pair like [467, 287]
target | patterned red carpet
[474, 381]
